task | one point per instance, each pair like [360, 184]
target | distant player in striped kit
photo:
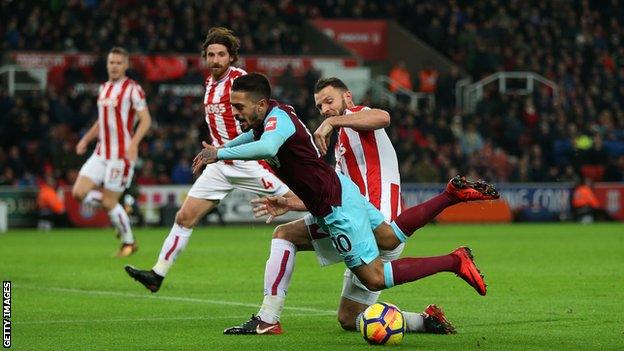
[108, 172]
[365, 154]
[218, 179]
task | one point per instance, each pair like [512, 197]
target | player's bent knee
[185, 219]
[78, 194]
[280, 232]
[376, 283]
[109, 203]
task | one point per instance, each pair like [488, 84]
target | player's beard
[248, 126]
[340, 112]
[218, 73]
[343, 108]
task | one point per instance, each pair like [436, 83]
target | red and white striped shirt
[369, 159]
[221, 122]
[117, 103]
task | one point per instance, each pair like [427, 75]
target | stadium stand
[529, 138]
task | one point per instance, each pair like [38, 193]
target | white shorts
[327, 255]
[219, 179]
[114, 175]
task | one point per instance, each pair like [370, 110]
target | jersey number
[266, 184]
[341, 243]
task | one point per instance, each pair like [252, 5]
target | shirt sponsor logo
[216, 109]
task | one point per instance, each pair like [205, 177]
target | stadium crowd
[509, 137]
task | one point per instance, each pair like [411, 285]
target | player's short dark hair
[118, 50]
[225, 37]
[255, 84]
[331, 81]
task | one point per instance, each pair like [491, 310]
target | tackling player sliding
[365, 154]
[273, 132]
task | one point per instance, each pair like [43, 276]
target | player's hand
[207, 156]
[81, 147]
[133, 152]
[273, 206]
[321, 136]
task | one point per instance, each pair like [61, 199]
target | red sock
[409, 269]
[415, 217]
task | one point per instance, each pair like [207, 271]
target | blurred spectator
[585, 205]
[401, 78]
[428, 79]
[528, 137]
[182, 173]
[51, 207]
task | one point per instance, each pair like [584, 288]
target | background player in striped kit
[365, 154]
[218, 179]
[111, 166]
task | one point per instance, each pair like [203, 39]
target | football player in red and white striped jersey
[220, 50]
[121, 103]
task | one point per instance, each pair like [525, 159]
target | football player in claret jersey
[108, 172]
[276, 134]
[365, 154]
[220, 49]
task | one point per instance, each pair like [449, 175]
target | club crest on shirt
[271, 124]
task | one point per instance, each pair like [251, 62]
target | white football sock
[93, 198]
[414, 322]
[277, 275]
[121, 222]
[271, 309]
[174, 244]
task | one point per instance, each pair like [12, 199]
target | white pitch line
[175, 298]
[154, 319]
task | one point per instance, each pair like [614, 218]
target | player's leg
[205, 194]
[82, 187]
[192, 210]
[356, 298]
[377, 275]
[91, 176]
[117, 178]
[457, 190]
[287, 240]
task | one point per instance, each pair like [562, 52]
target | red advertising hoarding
[159, 68]
[611, 197]
[366, 38]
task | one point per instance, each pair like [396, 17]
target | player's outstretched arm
[145, 122]
[82, 145]
[244, 138]
[366, 119]
[369, 119]
[273, 137]
[275, 206]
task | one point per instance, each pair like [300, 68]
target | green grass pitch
[551, 287]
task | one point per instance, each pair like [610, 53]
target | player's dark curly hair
[225, 37]
[255, 84]
[331, 81]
